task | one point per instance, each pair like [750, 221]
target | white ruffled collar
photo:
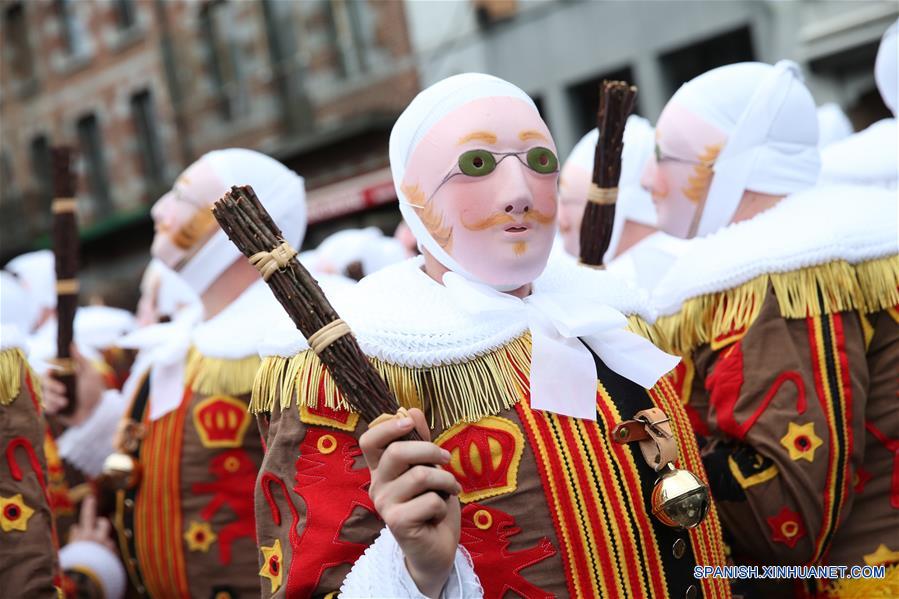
[810, 228]
[402, 316]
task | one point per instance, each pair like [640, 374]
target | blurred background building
[142, 88]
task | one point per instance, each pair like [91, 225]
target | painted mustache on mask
[501, 218]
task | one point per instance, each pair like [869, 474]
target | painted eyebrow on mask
[485, 136]
[531, 134]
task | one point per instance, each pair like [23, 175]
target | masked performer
[785, 314]
[189, 455]
[525, 378]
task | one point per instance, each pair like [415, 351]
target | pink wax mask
[188, 239]
[680, 172]
[479, 189]
[183, 218]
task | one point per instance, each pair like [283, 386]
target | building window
[42, 178]
[91, 144]
[126, 14]
[584, 98]
[72, 32]
[147, 138]
[14, 227]
[217, 23]
[347, 19]
[16, 46]
[683, 64]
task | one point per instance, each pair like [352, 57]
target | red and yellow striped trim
[831, 371]
[597, 506]
[158, 541]
[707, 539]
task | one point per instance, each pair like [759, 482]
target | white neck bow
[563, 372]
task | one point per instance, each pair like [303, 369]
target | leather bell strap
[652, 430]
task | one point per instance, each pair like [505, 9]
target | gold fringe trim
[868, 287]
[450, 393]
[636, 324]
[218, 376]
[868, 588]
[11, 362]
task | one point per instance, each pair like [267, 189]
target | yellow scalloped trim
[462, 392]
[11, 362]
[868, 287]
[218, 376]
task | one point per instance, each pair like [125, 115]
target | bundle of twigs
[253, 231]
[616, 102]
[65, 249]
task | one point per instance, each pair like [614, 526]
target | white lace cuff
[381, 572]
[98, 562]
[87, 445]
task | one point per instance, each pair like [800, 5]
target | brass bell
[121, 471]
[679, 499]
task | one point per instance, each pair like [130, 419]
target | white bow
[163, 349]
[563, 373]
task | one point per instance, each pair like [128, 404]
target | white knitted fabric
[88, 444]
[809, 228]
[402, 316]
[98, 560]
[381, 572]
[870, 157]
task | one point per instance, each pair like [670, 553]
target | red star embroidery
[786, 527]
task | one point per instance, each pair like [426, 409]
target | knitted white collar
[402, 316]
[809, 228]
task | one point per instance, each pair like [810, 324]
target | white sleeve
[381, 572]
[88, 444]
[102, 564]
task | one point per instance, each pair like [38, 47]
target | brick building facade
[142, 88]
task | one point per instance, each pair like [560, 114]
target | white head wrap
[380, 253]
[37, 272]
[16, 305]
[886, 67]
[342, 248]
[833, 124]
[634, 203]
[428, 108]
[769, 118]
[279, 189]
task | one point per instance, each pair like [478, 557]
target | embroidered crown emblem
[484, 456]
[221, 421]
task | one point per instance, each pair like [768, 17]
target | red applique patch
[786, 527]
[331, 488]
[891, 445]
[862, 477]
[485, 534]
[725, 383]
[235, 479]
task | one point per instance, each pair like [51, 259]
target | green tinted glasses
[477, 163]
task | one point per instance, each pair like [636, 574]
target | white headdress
[769, 118]
[279, 189]
[886, 67]
[423, 113]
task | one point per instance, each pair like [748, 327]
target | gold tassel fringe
[868, 588]
[11, 362]
[867, 287]
[450, 393]
[218, 376]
